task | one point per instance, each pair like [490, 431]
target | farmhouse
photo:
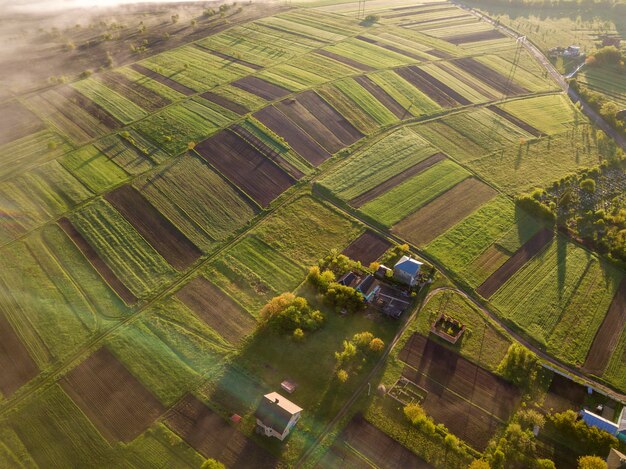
[276, 416]
[406, 270]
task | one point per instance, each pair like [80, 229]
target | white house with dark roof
[276, 415]
[406, 270]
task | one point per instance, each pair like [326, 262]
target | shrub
[519, 366]
[288, 312]
[417, 416]
[530, 418]
[377, 345]
[362, 339]
[212, 464]
[588, 185]
[298, 334]
[479, 464]
[591, 462]
[342, 376]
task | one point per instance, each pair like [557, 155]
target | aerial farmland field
[335, 201]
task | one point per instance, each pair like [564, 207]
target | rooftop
[408, 265]
[275, 411]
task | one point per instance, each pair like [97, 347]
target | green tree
[591, 462]
[519, 365]
[212, 464]
[479, 464]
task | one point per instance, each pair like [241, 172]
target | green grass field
[551, 114]
[496, 225]
[366, 101]
[117, 105]
[94, 169]
[410, 195]
[387, 157]
[409, 97]
[197, 200]
[560, 298]
[133, 260]
[192, 121]
[605, 80]
[346, 107]
[131, 151]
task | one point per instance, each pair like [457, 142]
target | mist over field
[39, 6]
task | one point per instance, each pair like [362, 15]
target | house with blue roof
[406, 270]
[594, 420]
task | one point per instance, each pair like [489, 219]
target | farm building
[276, 416]
[368, 287]
[406, 270]
[597, 421]
[382, 270]
[348, 279]
[616, 460]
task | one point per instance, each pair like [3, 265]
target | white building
[406, 270]
[277, 415]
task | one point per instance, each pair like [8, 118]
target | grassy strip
[366, 101]
[94, 169]
[409, 196]
[121, 108]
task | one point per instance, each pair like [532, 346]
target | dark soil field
[304, 145]
[245, 166]
[442, 54]
[474, 37]
[233, 59]
[468, 80]
[266, 150]
[391, 48]
[445, 211]
[92, 256]
[375, 446]
[300, 116]
[328, 115]
[608, 334]
[392, 182]
[163, 79]
[217, 309]
[514, 120]
[382, 96]
[470, 401]
[439, 92]
[92, 108]
[261, 88]
[140, 95]
[367, 248]
[346, 61]
[15, 362]
[213, 437]
[154, 227]
[494, 79]
[225, 103]
[113, 399]
[16, 122]
[564, 394]
[530, 249]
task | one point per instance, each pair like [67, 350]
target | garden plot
[217, 309]
[324, 23]
[409, 196]
[479, 242]
[272, 146]
[524, 254]
[354, 114]
[472, 402]
[67, 117]
[226, 103]
[113, 399]
[550, 114]
[133, 91]
[387, 159]
[237, 95]
[97, 110]
[473, 37]
[160, 232]
[368, 54]
[246, 166]
[293, 78]
[419, 57]
[98, 264]
[262, 88]
[124, 250]
[607, 338]
[363, 99]
[204, 206]
[459, 82]
[560, 298]
[51, 313]
[18, 367]
[214, 437]
[489, 76]
[345, 60]
[367, 248]
[300, 141]
[437, 216]
[361, 445]
[382, 96]
[93, 168]
[174, 85]
[528, 73]
[37, 196]
[409, 97]
[195, 68]
[17, 122]
[518, 122]
[131, 151]
[436, 90]
[51, 431]
[122, 109]
[564, 394]
[180, 125]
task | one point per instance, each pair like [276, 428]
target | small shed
[382, 270]
[406, 270]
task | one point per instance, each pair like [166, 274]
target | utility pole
[361, 11]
